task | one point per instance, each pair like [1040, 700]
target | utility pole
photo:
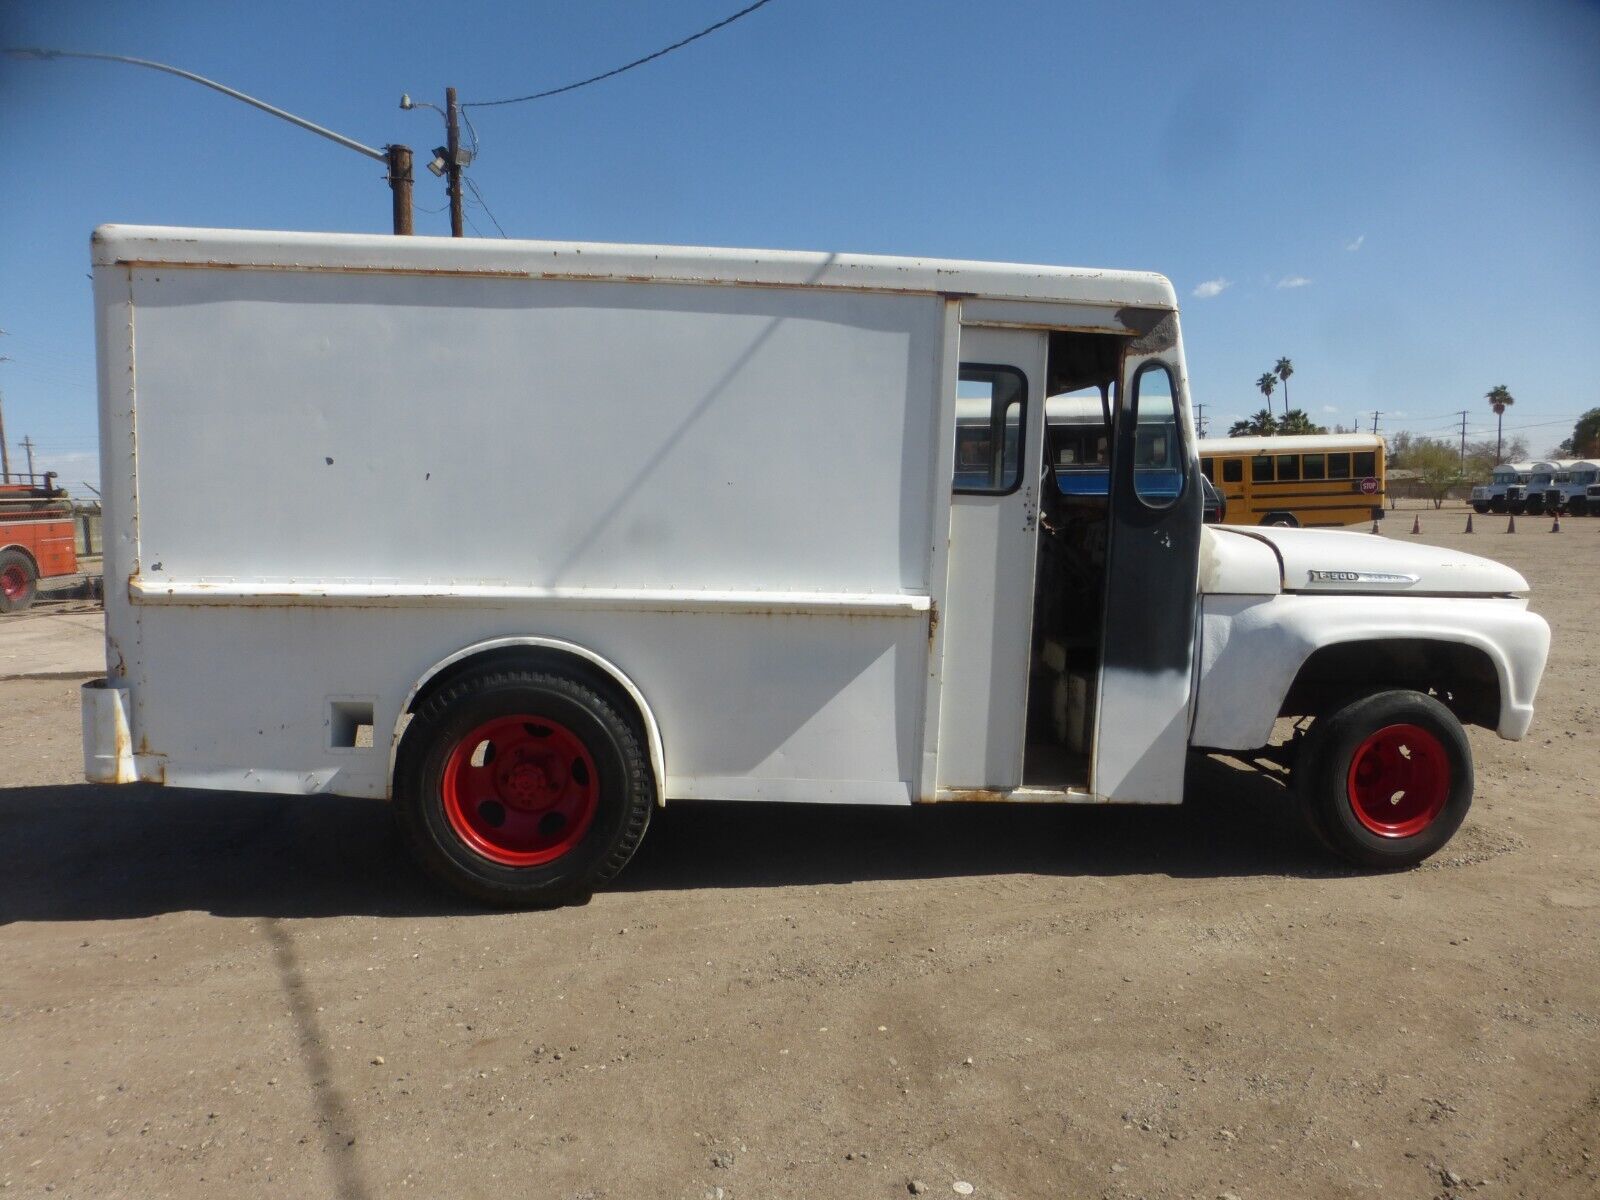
[27, 444]
[1375, 417]
[5, 452]
[398, 158]
[1200, 420]
[1463, 439]
[452, 142]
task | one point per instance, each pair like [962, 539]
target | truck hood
[1331, 560]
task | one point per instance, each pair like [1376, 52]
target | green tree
[1267, 383]
[1283, 370]
[1500, 399]
[1585, 439]
[1295, 421]
[1263, 424]
[1438, 467]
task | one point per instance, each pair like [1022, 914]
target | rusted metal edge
[142, 264]
[1021, 795]
[142, 591]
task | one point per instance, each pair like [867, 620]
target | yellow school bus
[1311, 479]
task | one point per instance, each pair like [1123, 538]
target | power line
[484, 204]
[638, 62]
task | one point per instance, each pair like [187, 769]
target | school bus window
[1261, 469]
[1365, 463]
[1288, 467]
[1339, 466]
[1233, 470]
[1206, 469]
[1311, 466]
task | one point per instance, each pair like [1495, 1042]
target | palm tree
[1263, 424]
[1284, 369]
[1296, 421]
[1266, 383]
[1500, 399]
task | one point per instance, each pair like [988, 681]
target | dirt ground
[207, 994]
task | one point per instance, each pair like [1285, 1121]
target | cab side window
[1158, 454]
[989, 410]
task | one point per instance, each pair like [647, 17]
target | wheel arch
[1437, 660]
[1255, 648]
[26, 553]
[542, 652]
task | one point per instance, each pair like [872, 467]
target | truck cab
[1533, 495]
[37, 538]
[1506, 490]
[1569, 490]
[794, 527]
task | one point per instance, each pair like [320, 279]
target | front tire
[522, 788]
[1578, 506]
[1387, 779]
[19, 582]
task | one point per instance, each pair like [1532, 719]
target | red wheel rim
[1399, 781]
[521, 790]
[14, 582]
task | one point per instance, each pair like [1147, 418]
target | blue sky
[1402, 197]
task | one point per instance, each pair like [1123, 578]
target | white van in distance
[533, 537]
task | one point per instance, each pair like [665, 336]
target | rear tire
[1386, 779]
[19, 582]
[1578, 506]
[1480, 509]
[522, 788]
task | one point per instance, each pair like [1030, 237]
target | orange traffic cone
[1555, 526]
[1511, 525]
[1416, 524]
[1374, 526]
[1469, 522]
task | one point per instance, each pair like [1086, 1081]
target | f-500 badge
[1378, 577]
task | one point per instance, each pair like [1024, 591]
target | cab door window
[989, 421]
[1158, 454]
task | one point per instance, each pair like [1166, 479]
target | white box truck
[533, 537]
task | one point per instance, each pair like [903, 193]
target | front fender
[1252, 648]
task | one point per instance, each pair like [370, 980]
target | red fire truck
[36, 538]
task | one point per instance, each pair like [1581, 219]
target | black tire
[1534, 505]
[624, 784]
[1498, 504]
[1329, 790]
[19, 582]
[1518, 507]
[1480, 509]
[1282, 519]
[1578, 506]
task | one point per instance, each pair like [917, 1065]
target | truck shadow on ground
[86, 853]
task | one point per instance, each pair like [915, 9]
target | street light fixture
[398, 158]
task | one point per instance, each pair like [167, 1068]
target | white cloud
[1328, 408]
[1353, 246]
[1294, 281]
[1212, 287]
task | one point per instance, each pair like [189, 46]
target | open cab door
[1148, 634]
